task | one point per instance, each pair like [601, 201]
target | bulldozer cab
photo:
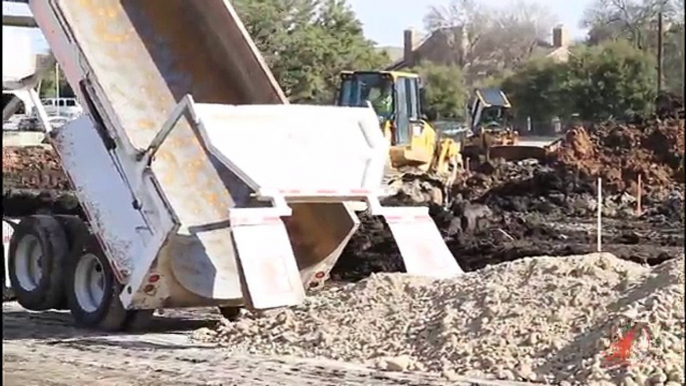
[490, 110]
[395, 97]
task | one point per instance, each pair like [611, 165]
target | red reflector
[319, 275]
[154, 278]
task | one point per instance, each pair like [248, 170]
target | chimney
[409, 42]
[560, 38]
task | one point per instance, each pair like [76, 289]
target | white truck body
[201, 183]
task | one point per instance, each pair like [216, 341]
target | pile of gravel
[545, 319]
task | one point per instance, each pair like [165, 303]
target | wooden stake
[600, 215]
[639, 208]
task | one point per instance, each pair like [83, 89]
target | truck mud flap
[270, 272]
[420, 243]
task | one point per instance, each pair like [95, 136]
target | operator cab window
[362, 89]
[412, 86]
[402, 133]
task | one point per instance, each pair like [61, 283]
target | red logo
[630, 345]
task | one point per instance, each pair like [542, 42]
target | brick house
[441, 47]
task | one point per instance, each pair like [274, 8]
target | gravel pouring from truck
[193, 199]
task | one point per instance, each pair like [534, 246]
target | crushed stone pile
[554, 320]
[32, 167]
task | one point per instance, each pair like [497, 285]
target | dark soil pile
[512, 236]
[549, 209]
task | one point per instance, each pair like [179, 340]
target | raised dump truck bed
[193, 199]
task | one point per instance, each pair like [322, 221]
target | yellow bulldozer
[417, 148]
[398, 100]
[489, 122]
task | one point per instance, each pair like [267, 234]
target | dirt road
[42, 349]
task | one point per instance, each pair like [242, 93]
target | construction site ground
[515, 316]
[51, 352]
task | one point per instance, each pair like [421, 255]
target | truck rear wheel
[93, 291]
[93, 294]
[77, 235]
[37, 255]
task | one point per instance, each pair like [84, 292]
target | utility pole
[660, 53]
[57, 88]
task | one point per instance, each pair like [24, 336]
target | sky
[385, 20]
[38, 43]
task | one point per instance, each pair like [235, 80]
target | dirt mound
[562, 324]
[32, 167]
[619, 153]
[504, 237]
[371, 250]
[550, 208]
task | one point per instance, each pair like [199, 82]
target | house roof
[543, 48]
[400, 61]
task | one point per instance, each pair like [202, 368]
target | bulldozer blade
[420, 243]
[471, 152]
[518, 153]
[268, 264]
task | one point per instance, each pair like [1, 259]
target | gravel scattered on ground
[546, 319]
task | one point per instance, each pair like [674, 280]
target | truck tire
[37, 256]
[93, 293]
[76, 231]
[77, 234]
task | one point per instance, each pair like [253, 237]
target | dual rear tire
[54, 263]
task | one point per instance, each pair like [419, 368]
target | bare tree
[490, 39]
[463, 22]
[630, 19]
[636, 21]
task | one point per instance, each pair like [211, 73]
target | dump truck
[416, 148]
[492, 135]
[29, 184]
[201, 185]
